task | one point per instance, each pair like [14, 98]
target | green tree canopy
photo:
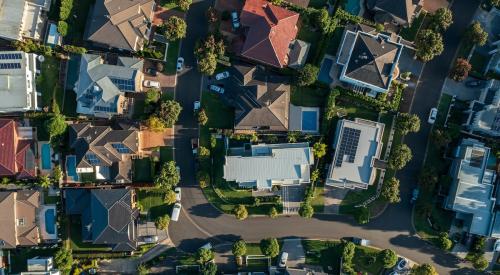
[273, 213]
[64, 259]
[319, 149]
[444, 241]
[155, 124]
[476, 34]
[307, 75]
[441, 19]
[270, 247]
[239, 248]
[56, 125]
[44, 181]
[175, 28]
[170, 197]
[306, 210]
[400, 156]
[424, 269]
[202, 117]
[152, 96]
[184, 4]
[207, 64]
[388, 258]
[162, 222]
[347, 255]
[315, 175]
[204, 255]
[406, 123]
[460, 70]
[204, 152]
[62, 28]
[169, 112]
[57, 173]
[240, 212]
[209, 269]
[168, 176]
[429, 44]
[390, 190]
[480, 263]
[142, 270]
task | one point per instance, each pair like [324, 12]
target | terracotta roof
[271, 29]
[8, 148]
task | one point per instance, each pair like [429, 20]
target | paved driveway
[333, 199]
[296, 254]
[459, 89]
[292, 196]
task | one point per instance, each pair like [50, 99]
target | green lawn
[353, 111]
[143, 170]
[172, 54]
[39, 123]
[76, 238]
[69, 108]
[219, 115]
[308, 96]
[318, 202]
[411, 32]
[47, 82]
[356, 197]
[254, 249]
[166, 154]
[152, 202]
[77, 20]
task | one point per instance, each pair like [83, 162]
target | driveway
[452, 87]
[292, 196]
[296, 254]
[333, 199]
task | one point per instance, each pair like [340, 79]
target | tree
[155, 124]
[239, 248]
[400, 156]
[292, 136]
[444, 241]
[184, 4]
[424, 269]
[429, 44]
[388, 258]
[211, 15]
[170, 197]
[202, 117]
[319, 149]
[207, 64]
[209, 269]
[206, 52]
[315, 175]
[204, 255]
[64, 259]
[240, 211]
[168, 176]
[406, 123]
[276, 2]
[270, 247]
[322, 20]
[307, 75]
[44, 181]
[62, 28]
[213, 142]
[56, 125]
[57, 173]
[461, 70]
[390, 190]
[5, 181]
[495, 3]
[362, 215]
[169, 112]
[306, 210]
[203, 152]
[162, 222]
[441, 137]
[480, 263]
[441, 20]
[476, 34]
[175, 28]
[142, 270]
[273, 213]
[347, 255]
[152, 96]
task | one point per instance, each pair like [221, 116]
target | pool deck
[296, 118]
[42, 226]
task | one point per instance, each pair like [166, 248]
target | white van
[176, 211]
[283, 259]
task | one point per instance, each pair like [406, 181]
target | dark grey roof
[388, 10]
[372, 60]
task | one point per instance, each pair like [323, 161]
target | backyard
[308, 96]
[47, 82]
[144, 170]
[77, 20]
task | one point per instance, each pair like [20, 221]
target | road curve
[201, 222]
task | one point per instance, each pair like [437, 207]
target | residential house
[369, 61]
[261, 99]
[491, 24]
[17, 82]
[472, 195]
[18, 150]
[101, 87]
[19, 223]
[484, 112]
[23, 18]
[103, 152]
[120, 24]
[41, 266]
[264, 165]
[108, 216]
[394, 12]
[357, 146]
[269, 33]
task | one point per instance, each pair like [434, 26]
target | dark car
[152, 71]
[475, 83]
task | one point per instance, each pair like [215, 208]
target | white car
[151, 84]
[178, 170]
[223, 75]
[401, 265]
[197, 106]
[180, 63]
[176, 211]
[216, 89]
[177, 191]
[150, 239]
[283, 259]
[432, 115]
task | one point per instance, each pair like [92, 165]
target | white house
[23, 18]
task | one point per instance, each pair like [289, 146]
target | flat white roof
[17, 84]
[11, 18]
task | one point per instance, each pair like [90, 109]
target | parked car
[177, 191]
[401, 265]
[151, 84]
[180, 63]
[235, 20]
[475, 84]
[151, 239]
[432, 116]
[414, 195]
[176, 211]
[215, 88]
[359, 241]
[197, 106]
[283, 259]
[194, 146]
[223, 75]
[152, 71]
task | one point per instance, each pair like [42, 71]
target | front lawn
[48, 81]
[144, 170]
[219, 115]
[168, 4]
[152, 201]
[308, 96]
[352, 110]
[172, 54]
[318, 202]
[355, 197]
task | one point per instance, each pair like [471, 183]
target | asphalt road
[200, 222]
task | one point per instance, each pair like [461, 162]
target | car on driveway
[176, 211]
[180, 63]
[401, 265]
[194, 146]
[283, 259]
[150, 239]
[152, 71]
[177, 191]
[221, 76]
[235, 20]
[216, 88]
[432, 115]
[196, 106]
[475, 84]
[151, 84]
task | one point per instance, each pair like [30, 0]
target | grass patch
[353, 111]
[410, 33]
[172, 54]
[318, 202]
[152, 202]
[308, 96]
[76, 238]
[77, 20]
[254, 249]
[48, 81]
[334, 43]
[166, 154]
[219, 115]
[355, 197]
[69, 107]
[143, 170]
[365, 260]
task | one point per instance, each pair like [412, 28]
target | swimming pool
[352, 7]
[309, 121]
[324, 71]
[71, 167]
[46, 163]
[50, 221]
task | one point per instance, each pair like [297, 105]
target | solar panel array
[8, 66]
[122, 149]
[348, 145]
[92, 159]
[124, 84]
[10, 56]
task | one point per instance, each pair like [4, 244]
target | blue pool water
[71, 167]
[46, 164]
[309, 120]
[50, 221]
[324, 71]
[352, 7]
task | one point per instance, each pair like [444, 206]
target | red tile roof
[271, 30]
[7, 147]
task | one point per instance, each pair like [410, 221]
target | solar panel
[10, 56]
[122, 149]
[92, 159]
[7, 66]
[348, 145]
[124, 84]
